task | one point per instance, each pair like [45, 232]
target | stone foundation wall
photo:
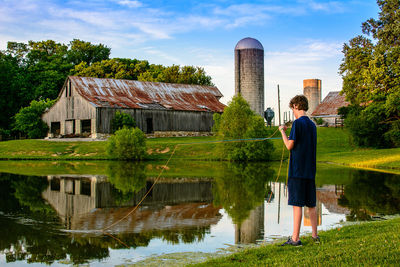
[178, 133]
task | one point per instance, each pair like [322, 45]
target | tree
[133, 69]
[371, 76]
[81, 51]
[13, 87]
[28, 120]
[239, 122]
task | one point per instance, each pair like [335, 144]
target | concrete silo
[249, 73]
[312, 90]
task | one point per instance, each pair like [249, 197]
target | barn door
[149, 123]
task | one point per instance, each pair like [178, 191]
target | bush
[239, 122]
[393, 135]
[319, 121]
[28, 120]
[365, 126]
[120, 120]
[127, 144]
[217, 122]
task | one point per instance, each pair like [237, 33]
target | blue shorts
[302, 192]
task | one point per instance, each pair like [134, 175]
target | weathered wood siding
[69, 110]
[163, 120]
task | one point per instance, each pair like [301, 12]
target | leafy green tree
[28, 120]
[239, 122]
[116, 68]
[46, 64]
[120, 120]
[127, 144]
[47, 67]
[371, 76]
[81, 51]
[133, 69]
[13, 88]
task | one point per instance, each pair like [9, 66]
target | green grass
[366, 244]
[333, 146]
[43, 149]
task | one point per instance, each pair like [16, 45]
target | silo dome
[249, 73]
[249, 43]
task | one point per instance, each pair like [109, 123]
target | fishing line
[170, 157]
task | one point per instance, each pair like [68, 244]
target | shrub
[127, 144]
[217, 122]
[28, 120]
[393, 135]
[365, 126]
[239, 122]
[120, 120]
[319, 121]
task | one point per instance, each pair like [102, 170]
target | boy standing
[302, 144]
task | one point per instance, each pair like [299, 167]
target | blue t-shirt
[303, 155]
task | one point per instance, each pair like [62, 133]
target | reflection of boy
[302, 144]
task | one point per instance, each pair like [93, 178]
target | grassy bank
[366, 244]
[333, 146]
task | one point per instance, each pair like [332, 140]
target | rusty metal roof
[330, 104]
[102, 92]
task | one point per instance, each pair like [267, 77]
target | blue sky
[301, 39]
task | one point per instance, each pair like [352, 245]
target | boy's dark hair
[300, 101]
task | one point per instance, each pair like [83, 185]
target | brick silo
[312, 90]
[249, 73]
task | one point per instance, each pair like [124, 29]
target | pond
[83, 212]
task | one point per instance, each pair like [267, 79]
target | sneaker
[316, 240]
[290, 242]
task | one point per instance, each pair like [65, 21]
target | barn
[328, 109]
[86, 106]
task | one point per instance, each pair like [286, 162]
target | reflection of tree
[127, 177]
[239, 188]
[28, 190]
[370, 193]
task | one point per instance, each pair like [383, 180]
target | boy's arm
[288, 143]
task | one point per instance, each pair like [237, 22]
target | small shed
[86, 106]
[328, 109]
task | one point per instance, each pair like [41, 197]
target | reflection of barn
[86, 106]
[89, 203]
[329, 195]
[328, 109]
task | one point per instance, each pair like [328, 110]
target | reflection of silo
[249, 73]
[312, 90]
[251, 229]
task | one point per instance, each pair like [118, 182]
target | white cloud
[328, 6]
[130, 3]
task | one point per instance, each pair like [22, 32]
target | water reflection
[60, 217]
[241, 189]
[371, 193]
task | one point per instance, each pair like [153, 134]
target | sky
[301, 39]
